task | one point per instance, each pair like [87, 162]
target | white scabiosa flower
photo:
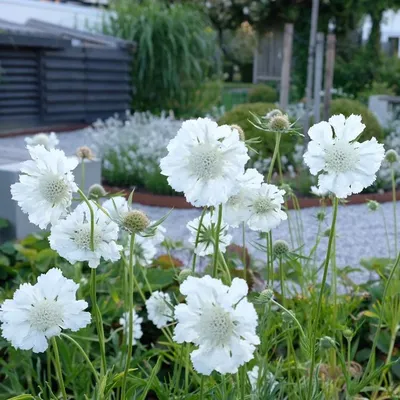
[48, 141]
[317, 191]
[207, 234]
[204, 160]
[253, 377]
[38, 312]
[266, 379]
[71, 237]
[137, 326]
[343, 165]
[236, 210]
[159, 309]
[116, 207]
[265, 208]
[220, 321]
[45, 188]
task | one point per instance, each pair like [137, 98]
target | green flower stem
[321, 293]
[201, 388]
[216, 245]
[48, 354]
[242, 379]
[282, 279]
[268, 262]
[57, 365]
[130, 323]
[292, 315]
[386, 232]
[198, 237]
[85, 356]
[271, 258]
[394, 212]
[83, 174]
[226, 268]
[98, 320]
[274, 155]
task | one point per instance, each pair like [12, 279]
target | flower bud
[266, 295]
[280, 248]
[273, 113]
[84, 152]
[279, 123]
[348, 334]
[327, 232]
[321, 216]
[373, 205]
[391, 156]
[184, 274]
[96, 191]
[241, 132]
[327, 343]
[135, 221]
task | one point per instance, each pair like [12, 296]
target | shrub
[175, 51]
[348, 107]
[263, 94]
[240, 115]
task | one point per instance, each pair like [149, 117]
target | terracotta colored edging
[44, 129]
[179, 202]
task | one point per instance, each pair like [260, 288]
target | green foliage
[377, 88]
[348, 107]
[263, 94]
[241, 115]
[174, 55]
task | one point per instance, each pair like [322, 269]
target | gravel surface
[360, 233]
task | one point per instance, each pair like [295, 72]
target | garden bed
[179, 202]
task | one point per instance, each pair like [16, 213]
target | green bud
[266, 296]
[321, 216]
[373, 205]
[327, 343]
[96, 191]
[280, 248]
[391, 156]
[184, 274]
[348, 334]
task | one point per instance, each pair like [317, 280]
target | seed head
[85, 152]
[327, 343]
[373, 205]
[273, 113]
[184, 274]
[135, 221]
[96, 191]
[392, 156]
[279, 123]
[241, 132]
[280, 248]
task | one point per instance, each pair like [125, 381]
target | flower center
[81, 237]
[341, 157]
[53, 189]
[236, 200]
[205, 162]
[263, 205]
[46, 314]
[41, 139]
[216, 326]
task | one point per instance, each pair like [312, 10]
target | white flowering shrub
[218, 328]
[131, 148]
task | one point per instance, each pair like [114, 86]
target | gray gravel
[361, 233]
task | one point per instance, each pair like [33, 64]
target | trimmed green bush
[348, 107]
[263, 94]
[240, 115]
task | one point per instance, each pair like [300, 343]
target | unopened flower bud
[321, 215]
[266, 295]
[280, 248]
[327, 232]
[84, 152]
[348, 334]
[135, 221]
[391, 156]
[184, 274]
[327, 343]
[96, 191]
[279, 123]
[242, 136]
[373, 205]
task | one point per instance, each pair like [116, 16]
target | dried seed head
[241, 132]
[135, 221]
[96, 191]
[273, 113]
[279, 123]
[84, 152]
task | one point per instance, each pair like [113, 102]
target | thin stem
[48, 353]
[271, 166]
[242, 378]
[321, 293]
[394, 211]
[268, 262]
[282, 279]
[226, 268]
[130, 322]
[244, 251]
[386, 232]
[85, 356]
[197, 238]
[201, 387]
[216, 245]
[99, 321]
[291, 314]
[57, 365]
[83, 174]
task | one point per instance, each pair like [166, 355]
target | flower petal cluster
[71, 237]
[159, 309]
[204, 160]
[207, 234]
[220, 321]
[344, 166]
[137, 326]
[45, 188]
[39, 312]
[49, 141]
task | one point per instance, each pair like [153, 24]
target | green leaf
[159, 278]
[44, 259]
[4, 223]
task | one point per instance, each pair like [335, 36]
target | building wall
[68, 15]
